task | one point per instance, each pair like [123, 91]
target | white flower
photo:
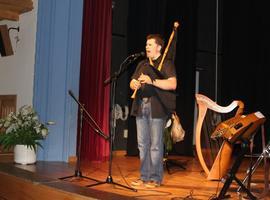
[23, 127]
[9, 117]
[26, 110]
[25, 120]
[35, 118]
[6, 124]
[44, 132]
[11, 128]
[37, 129]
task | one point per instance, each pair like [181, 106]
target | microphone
[130, 58]
[71, 93]
[136, 55]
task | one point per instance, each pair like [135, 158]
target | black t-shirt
[162, 101]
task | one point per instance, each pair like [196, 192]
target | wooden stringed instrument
[239, 127]
[221, 162]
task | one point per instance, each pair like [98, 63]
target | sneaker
[152, 184]
[138, 182]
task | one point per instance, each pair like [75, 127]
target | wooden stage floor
[43, 181]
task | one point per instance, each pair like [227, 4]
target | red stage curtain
[95, 68]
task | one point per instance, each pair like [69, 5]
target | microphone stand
[78, 173]
[113, 80]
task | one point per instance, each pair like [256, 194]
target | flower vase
[24, 155]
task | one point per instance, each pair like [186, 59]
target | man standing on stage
[152, 109]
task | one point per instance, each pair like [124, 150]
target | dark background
[226, 43]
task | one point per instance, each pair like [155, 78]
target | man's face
[152, 49]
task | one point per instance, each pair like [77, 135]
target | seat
[214, 155]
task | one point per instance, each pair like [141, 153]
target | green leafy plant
[22, 128]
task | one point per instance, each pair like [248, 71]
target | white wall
[17, 71]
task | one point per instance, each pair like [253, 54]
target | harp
[214, 155]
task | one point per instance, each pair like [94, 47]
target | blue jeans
[150, 143]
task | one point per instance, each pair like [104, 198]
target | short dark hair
[158, 38]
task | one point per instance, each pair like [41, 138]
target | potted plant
[23, 131]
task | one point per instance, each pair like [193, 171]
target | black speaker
[5, 43]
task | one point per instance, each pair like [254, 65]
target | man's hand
[135, 84]
[145, 79]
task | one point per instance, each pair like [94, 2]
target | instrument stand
[78, 173]
[246, 134]
[231, 175]
[172, 162]
[245, 142]
[113, 80]
[263, 157]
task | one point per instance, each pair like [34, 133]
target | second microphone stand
[113, 80]
[78, 173]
